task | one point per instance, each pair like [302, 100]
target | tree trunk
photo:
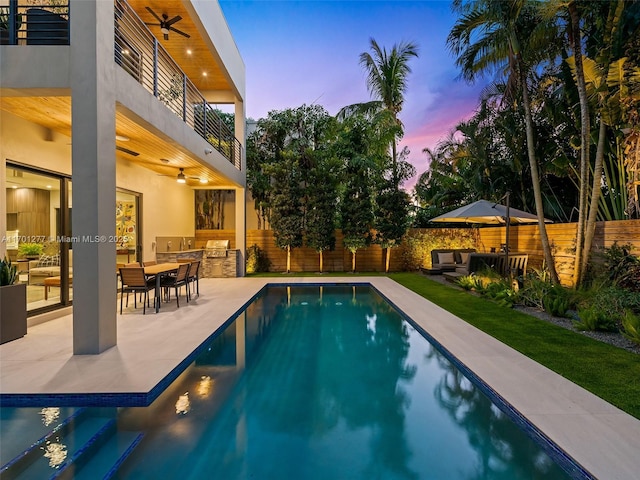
[288, 258]
[321, 261]
[353, 261]
[535, 180]
[584, 143]
[387, 260]
[596, 190]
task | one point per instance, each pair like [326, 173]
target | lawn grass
[609, 372]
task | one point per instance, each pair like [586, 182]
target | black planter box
[13, 312]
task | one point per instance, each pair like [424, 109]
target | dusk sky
[305, 52]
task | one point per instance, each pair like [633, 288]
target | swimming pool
[308, 382]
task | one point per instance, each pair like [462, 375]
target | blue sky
[299, 52]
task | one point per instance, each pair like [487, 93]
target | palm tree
[497, 36]
[387, 73]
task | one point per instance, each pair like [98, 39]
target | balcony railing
[34, 25]
[140, 54]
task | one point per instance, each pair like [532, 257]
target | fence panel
[523, 238]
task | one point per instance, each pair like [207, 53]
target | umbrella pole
[506, 250]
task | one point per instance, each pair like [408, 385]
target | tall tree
[392, 208]
[387, 74]
[286, 148]
[358, 149]
[497, 36]
[613, 85]
[321, 208]
[387, 77]
[287, 214]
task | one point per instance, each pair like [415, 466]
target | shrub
[257, 260]
[467, 282]
[557, 301]
[613, 300]
[631, 326]
[496, 289]
[8, 272]
[616, 265]
[595, 319]
[536, 287]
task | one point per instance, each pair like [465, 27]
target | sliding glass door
[38, 221]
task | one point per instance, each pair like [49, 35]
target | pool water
[318, 383]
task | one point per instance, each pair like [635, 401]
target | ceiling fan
[166, 25]
[182, 178]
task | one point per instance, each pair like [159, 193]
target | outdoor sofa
[448, 259]
[47, 266]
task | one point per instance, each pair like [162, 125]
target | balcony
[34, 25]
[139, 53]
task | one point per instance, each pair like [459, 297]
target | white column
[93, 175]
[241, 202]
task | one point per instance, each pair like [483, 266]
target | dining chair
[134, 281]
[132, 265]
[193, 277]
[149, 263]
[177, 281]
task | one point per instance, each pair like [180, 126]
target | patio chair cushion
[464, 257]
[446, 258]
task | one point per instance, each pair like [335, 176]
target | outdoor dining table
[160, 270]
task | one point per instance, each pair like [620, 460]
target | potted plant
[30, 250]
[13, 303]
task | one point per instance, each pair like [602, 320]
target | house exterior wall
[86, 71]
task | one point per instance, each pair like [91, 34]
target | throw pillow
[44, 261]
[464, 256]
[446, 258]
[55, 260]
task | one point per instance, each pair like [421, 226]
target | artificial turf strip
[609, 372]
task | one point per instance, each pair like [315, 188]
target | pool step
[31, 447]
[22, 428]
[72, 437]
[102, 456]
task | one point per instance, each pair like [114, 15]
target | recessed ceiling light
[122, 138]
[14, 186]
[48, 186]
[203, 180]
[189, 51]
[204, 74]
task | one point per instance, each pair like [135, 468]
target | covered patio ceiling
[200, 65]
[153, 151]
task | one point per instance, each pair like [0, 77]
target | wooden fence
[562, 236]
[523, 238]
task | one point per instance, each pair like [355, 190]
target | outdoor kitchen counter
[174, 256]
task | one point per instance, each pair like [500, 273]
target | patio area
[602, 438]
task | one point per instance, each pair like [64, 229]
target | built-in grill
[216, 248]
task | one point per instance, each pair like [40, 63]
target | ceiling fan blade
[180, 32]
[175, 19]
[154, 14]
[126, 150]
[152, 24]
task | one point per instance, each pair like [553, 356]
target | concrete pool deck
[599, 436]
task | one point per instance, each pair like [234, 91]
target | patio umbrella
[485, 212]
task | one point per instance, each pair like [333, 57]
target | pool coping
[598, 436]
